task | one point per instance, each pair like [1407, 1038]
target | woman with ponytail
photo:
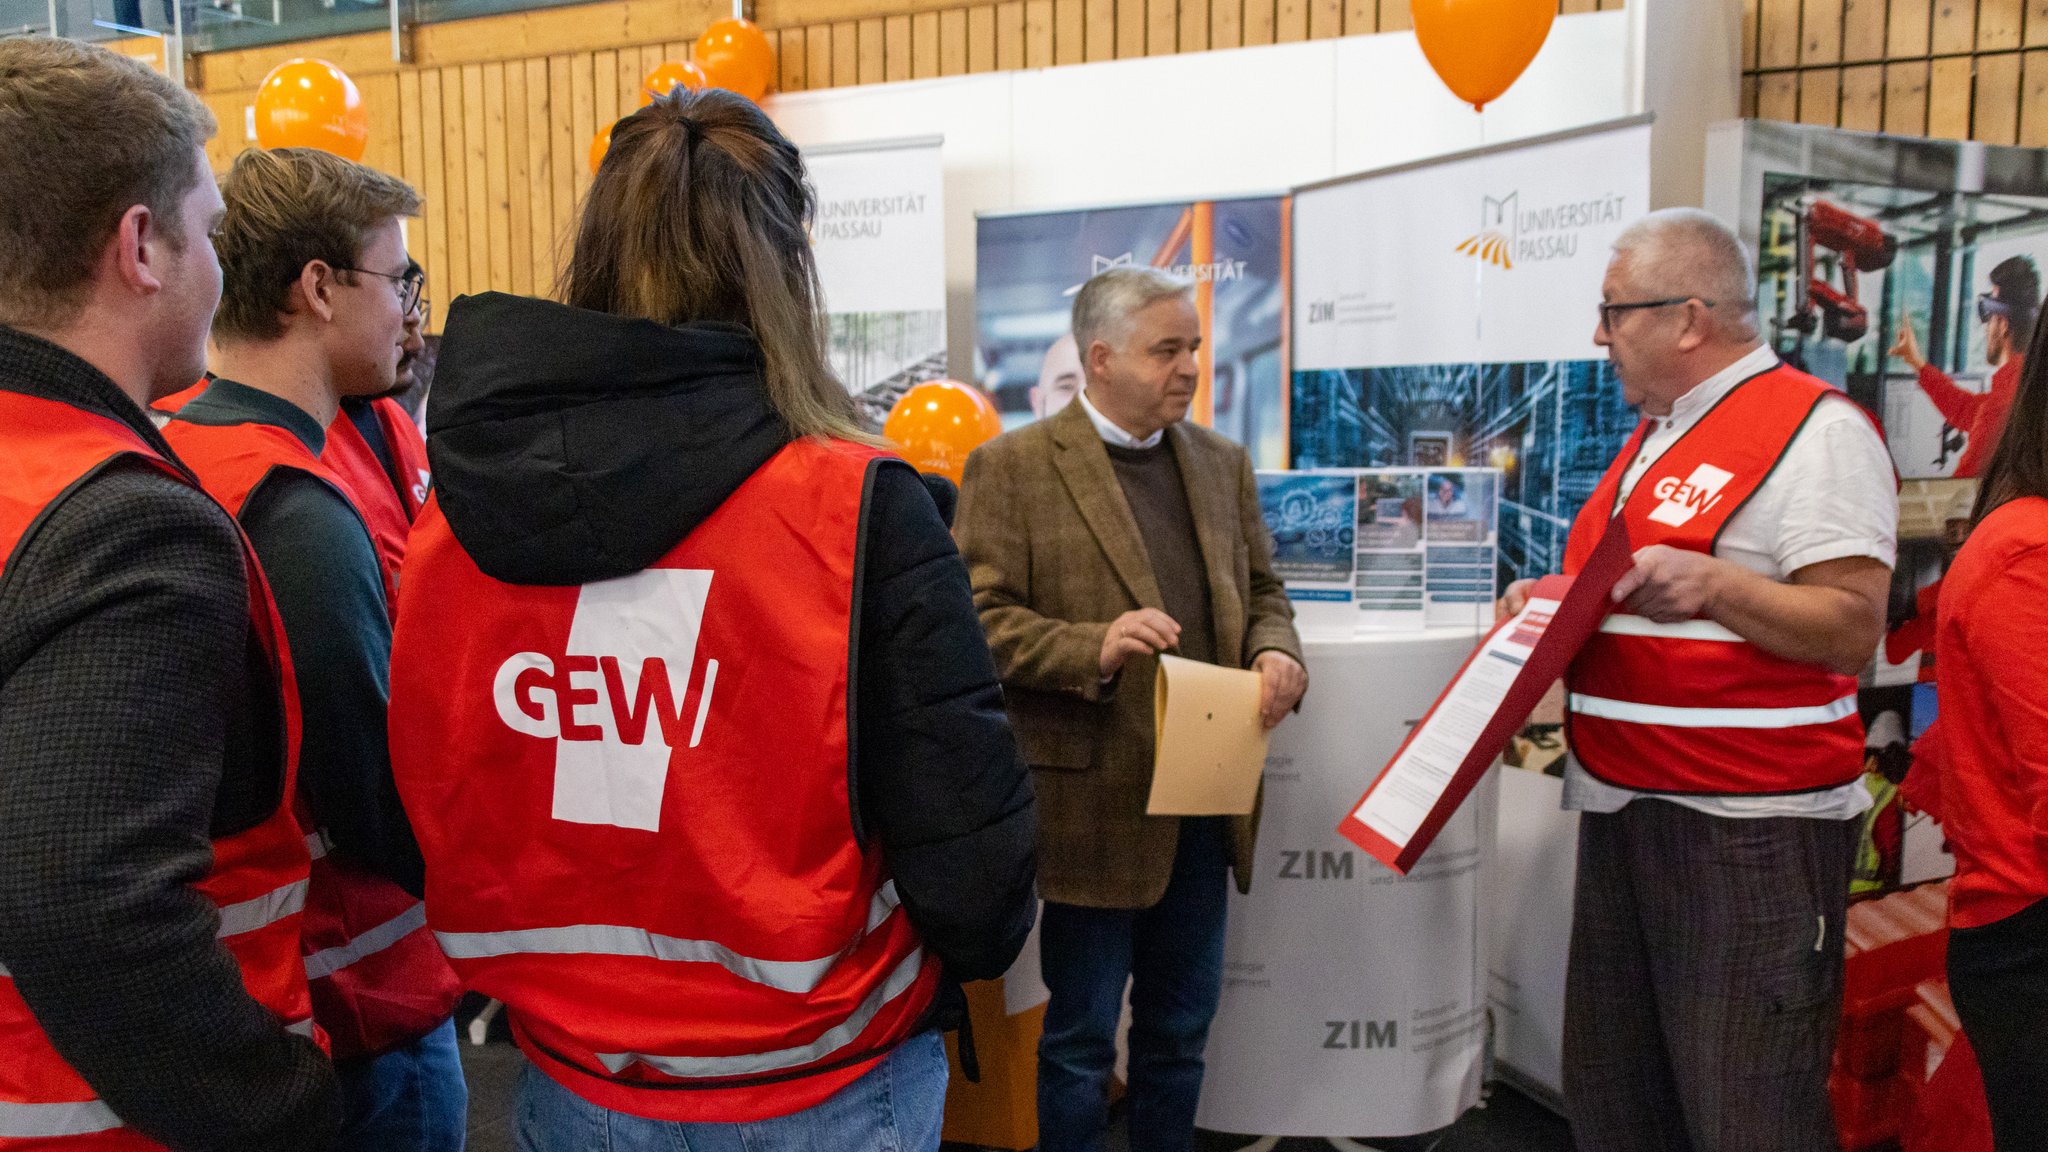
[691, 707]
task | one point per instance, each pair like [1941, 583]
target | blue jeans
[898, 1106]
[1172, 953]
[410, 1099]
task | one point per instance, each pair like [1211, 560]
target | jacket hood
[571, 446]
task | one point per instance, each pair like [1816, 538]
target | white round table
[1354, 999]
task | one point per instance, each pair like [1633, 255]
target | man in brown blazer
[1095, 540]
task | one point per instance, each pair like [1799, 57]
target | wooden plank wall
[832, 43]
[497, 139]
[1958, 69]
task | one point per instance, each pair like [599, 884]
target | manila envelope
[1211, 745]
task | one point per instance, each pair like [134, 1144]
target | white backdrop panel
[1201, 125]
[879, 236]
[1380, 279]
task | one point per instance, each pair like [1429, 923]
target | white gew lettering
[615, 702]
[531, 697]
[1685, 499]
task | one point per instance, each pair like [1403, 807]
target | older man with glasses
[1716, 747]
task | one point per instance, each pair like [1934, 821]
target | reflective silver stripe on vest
[328, 961]
[73, 1118]
[1669, 717]
[301, 1028]
[263, 910]
[845, 1032]
[316, 845]
[1621, 624]
[4, 973]
[626, 940]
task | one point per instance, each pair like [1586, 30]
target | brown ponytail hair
[701, 212]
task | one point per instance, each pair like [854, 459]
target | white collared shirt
[1833, 495]
[1108, 430]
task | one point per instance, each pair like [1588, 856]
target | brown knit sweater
[1150, 478]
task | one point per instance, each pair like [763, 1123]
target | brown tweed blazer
[1055, 555]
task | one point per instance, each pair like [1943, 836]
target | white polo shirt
[1833, 495]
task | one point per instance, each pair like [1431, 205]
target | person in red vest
[690, 703]
[314, 308]
[1716, 750]
[2008, 313]
[151, 873]
[1994, 771]
[375, 446]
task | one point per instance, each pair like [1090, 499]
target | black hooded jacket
[571, 446]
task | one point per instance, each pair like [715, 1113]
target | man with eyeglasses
[378, 449]
[1716, 748]
[2007, 312]
[318, 303]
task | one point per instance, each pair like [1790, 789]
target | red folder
[1533, 648]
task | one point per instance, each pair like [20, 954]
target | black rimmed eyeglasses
[410, 282]
[1609, 311]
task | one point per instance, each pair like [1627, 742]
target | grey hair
[1687, 252]
[1104, 306]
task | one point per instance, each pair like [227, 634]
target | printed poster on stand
[1029, 265]
[1896, 269]
[1444, 316]
[879, 238]
[1384, 549]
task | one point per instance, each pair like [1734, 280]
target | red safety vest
[258, 879]
[634, 805]
[172, 404]
[1692, 708]
[388, 511]
[378, 978]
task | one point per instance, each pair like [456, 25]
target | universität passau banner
[1443, 318]
[879, 237]
[1444, 315]
[1029, 265]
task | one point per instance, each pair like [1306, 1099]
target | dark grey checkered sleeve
[123, 634]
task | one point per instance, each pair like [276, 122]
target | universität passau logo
[1495, 241]
[1510, 234]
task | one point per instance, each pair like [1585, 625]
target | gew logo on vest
[620, 698]
[1685, 499]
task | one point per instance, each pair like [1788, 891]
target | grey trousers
[1705, 983]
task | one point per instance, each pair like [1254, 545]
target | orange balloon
[1480, 47]
[307, 103]
[599, 145]
[669, 76]
[736, 56]
[937, 423]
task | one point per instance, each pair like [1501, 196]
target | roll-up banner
[1029, 265]
[879, 237]
[1444, 315]
[1442, 318]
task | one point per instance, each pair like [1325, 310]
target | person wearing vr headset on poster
[2007, 312]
